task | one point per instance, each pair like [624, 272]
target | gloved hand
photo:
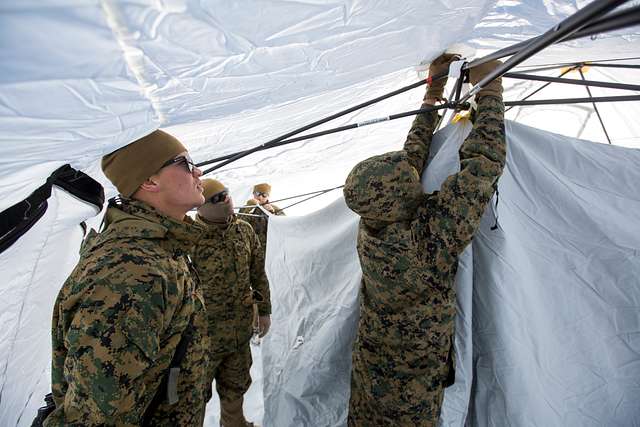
[477, 73]
[440, 65]
[264, 323]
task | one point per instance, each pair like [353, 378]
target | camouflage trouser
[231, 372]
[381, 398]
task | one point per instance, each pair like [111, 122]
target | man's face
[180, 184]
[261, 197]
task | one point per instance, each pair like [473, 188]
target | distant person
[230, 263]
[129, 325]
[260, 220]
[408, 245]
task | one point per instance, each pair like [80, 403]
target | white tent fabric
[80, 79]
[548, 320]
[27, 298]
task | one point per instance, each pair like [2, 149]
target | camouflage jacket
[118, 320]
[260, 221]
[230, 263]
[409, 267]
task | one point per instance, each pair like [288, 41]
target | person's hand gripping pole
[438, 74]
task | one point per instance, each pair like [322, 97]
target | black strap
[495, 226]
[44, 411]
[16, 220]
[163, 388]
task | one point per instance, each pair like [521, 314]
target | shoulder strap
[168, 386]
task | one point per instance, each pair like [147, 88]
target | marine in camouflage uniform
[230, 263]
[258, 219]
[119, 317]
[408, 245]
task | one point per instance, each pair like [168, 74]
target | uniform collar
[134, 218]
[216, 226]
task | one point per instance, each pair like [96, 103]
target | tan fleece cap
[262, 188]
[128, 167]
[211, 187]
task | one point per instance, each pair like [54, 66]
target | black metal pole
[583, 82]
[601, 24]
[318, 123]
[590, 63]
[618, 20]
[326, 190]
[595, 107]
[309, 198]
[278, 143]
[573, 100]
[598, 65]
[543, 86]
[558, 32]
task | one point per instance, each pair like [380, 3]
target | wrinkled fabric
[403, 354]
[230, 264]
[118, 320]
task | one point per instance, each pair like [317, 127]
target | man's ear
[151, 185]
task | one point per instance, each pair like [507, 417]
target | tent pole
[319, 122]
[326, 190]
[583, 82]
[595, 107]
[453, 96]
[366, 123]
[280, 141]
[311, 197]
[447, 106]
[628, 17]
[629, 66]
[612, 22]
[544, 86]
[590, 63]
[555, 34]
[573, 100]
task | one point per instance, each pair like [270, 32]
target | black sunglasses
[183, 160]
[262, 194]
[219, 197]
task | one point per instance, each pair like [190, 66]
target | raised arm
[418, 141]
[455, 211]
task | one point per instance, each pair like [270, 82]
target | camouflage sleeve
[249, 206]
[259, 281]
[112, 340]
[418, 140]
[277, 210]
[458, 207]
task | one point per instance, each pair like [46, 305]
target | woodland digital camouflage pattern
[118, 319]
[408, 249]
[230, 263]
[260, 221]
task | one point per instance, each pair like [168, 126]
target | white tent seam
[133, 56]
